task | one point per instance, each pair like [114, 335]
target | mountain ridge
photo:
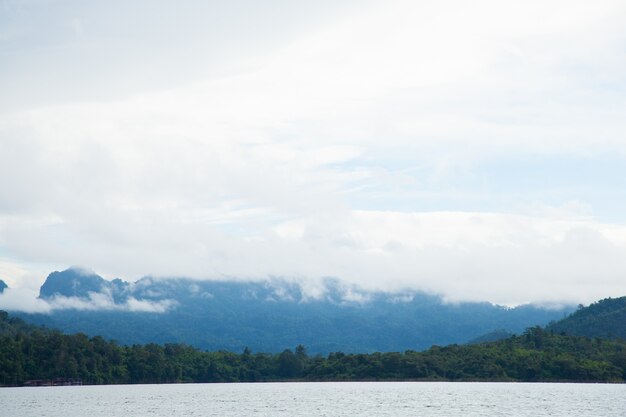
[269, 315]
[49, 357]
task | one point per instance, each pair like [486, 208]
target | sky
[474, 150]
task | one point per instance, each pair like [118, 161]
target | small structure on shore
[56, 382]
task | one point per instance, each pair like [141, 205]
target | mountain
[3, 286]
[492, 336]
[81, 284]
[40, 356]
[270, 315]
[605, 318]
[12, 326]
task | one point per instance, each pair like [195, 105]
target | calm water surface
[334, 399]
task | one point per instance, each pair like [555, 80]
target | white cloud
[21, 299]
[509, 259]
[279, 167]
[505, 258]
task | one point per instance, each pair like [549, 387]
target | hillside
[491, 337]
[267, 316]
[605, 318]
[38, 356]
[11, 326]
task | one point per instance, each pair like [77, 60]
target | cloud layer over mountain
[474, 150]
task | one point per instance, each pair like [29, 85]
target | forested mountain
[3, 286]
[40, 356]
[12, 326]
[267, 316]
[491, 336]
[605, 318]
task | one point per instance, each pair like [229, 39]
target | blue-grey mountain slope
[605, 319]
[271, 315]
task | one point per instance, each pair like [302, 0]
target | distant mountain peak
[3, 286]
[73, 282]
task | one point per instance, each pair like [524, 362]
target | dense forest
[33, 353]
[605, 318]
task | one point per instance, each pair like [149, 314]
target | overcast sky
[475, 149]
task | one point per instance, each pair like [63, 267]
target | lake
[334, 399]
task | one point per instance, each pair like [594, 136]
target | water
[334, 399]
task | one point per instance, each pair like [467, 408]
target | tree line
[35, 353]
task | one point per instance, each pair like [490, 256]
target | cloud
[504, 258]
[20, 299]
[467, 256]
[23, 299]
[102, 301]
[408, 144]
